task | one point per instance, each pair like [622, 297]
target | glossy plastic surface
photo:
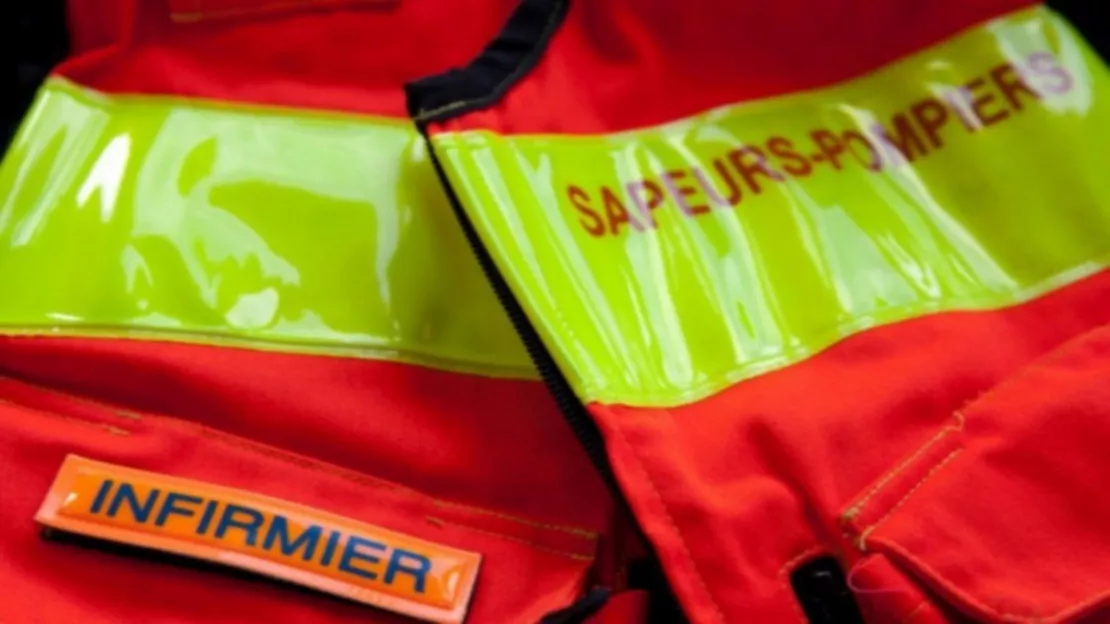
[177, 219]
[219, 524]
[663, 265]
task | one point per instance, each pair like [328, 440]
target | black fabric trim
[580, 611]
[510, 56]
[37, 40]
[514, 53]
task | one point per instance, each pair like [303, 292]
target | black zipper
[506, 59]
[663, 600]
[571, 407]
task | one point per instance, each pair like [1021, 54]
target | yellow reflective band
[183, 220]
[664, 264]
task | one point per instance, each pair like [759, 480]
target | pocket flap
[1013, 523]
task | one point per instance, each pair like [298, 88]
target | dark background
[34, 35]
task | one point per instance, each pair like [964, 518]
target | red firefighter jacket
[825, 284]
[239, 323]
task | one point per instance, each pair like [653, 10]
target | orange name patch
[273, 537]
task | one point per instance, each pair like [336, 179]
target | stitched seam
[1052, 357]
[1003, 615]
[438, 521]
[519, 540]
[918, 610]
[67, 418]
[670, 521]
[591, 535]
[307, 463]
[301, 461]
[198, 14]
[786, 569]
[862, 541]
[523, 67]
[858, 508]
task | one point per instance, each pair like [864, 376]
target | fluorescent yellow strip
[176, 219]
[666, 264]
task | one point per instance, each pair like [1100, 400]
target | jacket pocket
[528, 568]
[1005, 513]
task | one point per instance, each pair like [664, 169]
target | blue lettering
[350, 553]
[418, 567]
[329, 548]
[101, 496]
[279, 532]
[170, 508]
[206, 517]
[250, 527]
[139, 511]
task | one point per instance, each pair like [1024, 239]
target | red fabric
[203, 10]
[351, 59]
[476, 463]
[401, 423]
[802, 461]
[529, 568]
[1008, 517]
[621, 64]
[952, 462]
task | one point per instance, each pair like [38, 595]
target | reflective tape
[667, 263]
[270, 228]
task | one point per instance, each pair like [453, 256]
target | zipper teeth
[568, 403]
[574, 413]
[571, 407]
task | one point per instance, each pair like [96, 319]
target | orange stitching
[288, 457]
[301, 461]
[539, 525]
[276, 6]
[1053, 356]
[785, 569]
[115, 430]
[862, 541]
[1002, 615]
[541, 547]
[362, 478]
[856, 509]
[809, 552]
[918, 610]
[674, 527]
[72, 419]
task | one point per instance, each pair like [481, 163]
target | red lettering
[931, 114]
[644, 205]
[959, 100]
[874, 161]
[783, 149]
[1010, 83]
[722, 169]
[979, 104]
[590, 220]
[680, 193]
[905, 142]
[829, 145]
[748, 171]
[616, 212]
[1044, 64]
